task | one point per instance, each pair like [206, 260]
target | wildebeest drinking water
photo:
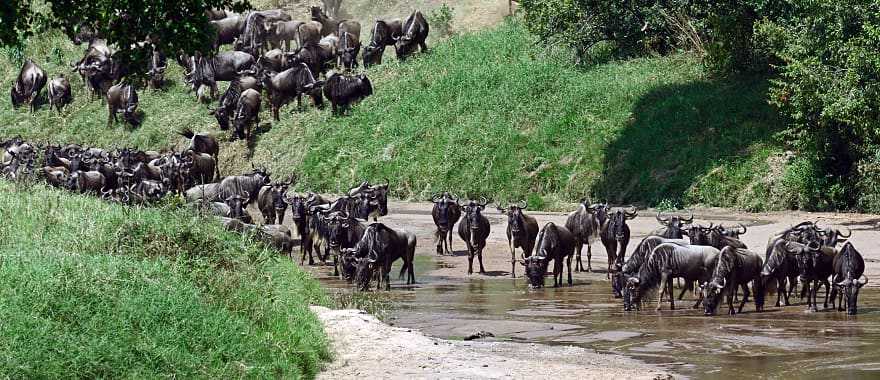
[622, 273]
[380, 247]
[668, 261]
[735, 268]
[554, 243]
[849, 277]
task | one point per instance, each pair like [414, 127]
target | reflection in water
[781, 342]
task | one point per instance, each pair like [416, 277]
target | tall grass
[485, 114]
[93, 290]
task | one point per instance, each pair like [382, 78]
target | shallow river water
[780, 342]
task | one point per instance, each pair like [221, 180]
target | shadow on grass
[680, 132]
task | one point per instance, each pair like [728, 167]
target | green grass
[94, 290]
[489, 114]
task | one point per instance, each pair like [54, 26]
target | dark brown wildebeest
[735, 269]
[474, 229]
[238, 207]
[156, 72]
[290, 83]
[308, 34]
[271, 202]
[273, 60]
[328, 24]
[816, 265]
[849, 269]
[253, 38]
[229, 99]
[584, 224]
[615, 234]
[279, 34]
[673, 226]
[342, 231]
[631, 267]
[26, 89]
[445, 213]
[122, 97]
[344, 90]
[554, 243]
[831, 236]
[349, 44]
[522, 230]
[278, 236]
[96, 67]
[59, 93]
[227, 30]
[225, 66]
[414, 32]
[300, 207]
[247, 114]
[85, 182]
[147, 191]
[383, 34]
[668, 261]
[203, 143]
[381, 246]
[200, 168]
[781, 266]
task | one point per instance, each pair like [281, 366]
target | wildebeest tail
[187, 132]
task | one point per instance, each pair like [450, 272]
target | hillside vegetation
[95, 290]
[490, 114]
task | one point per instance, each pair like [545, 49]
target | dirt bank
[367, 348]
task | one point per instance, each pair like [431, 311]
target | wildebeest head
[364, 272]
[278, 192]
[348, 53]
[446, 208]
[298, 207]
[348, 263]
[381, 194]
[17, 95]
[712, 296]
[734, 233]
[318, 14]
[674, 224]
[631, 294]
[807, 256]
[237, 204]
[474, 212]
[515, 218]
[618, 279]
[831, 236]
[367, 202]
[617, 223]
[373, 55]
[535, 268]
[698, 234]
[338, 224]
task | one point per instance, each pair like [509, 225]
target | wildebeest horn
[660, 219]
[247, 195]
[690, 220]
[861, 283]
[484, 202]
[744, 229]
[844, 236]
[631, 214]
[434, 198]
[523, 205]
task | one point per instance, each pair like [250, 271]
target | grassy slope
[89, 289]
[488, 114]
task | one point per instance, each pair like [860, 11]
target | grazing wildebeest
[59, 93]
[28, 84]
[445, 213]
[225, 66]
[615, 235]
[382, 36]
[781, 266]
[349, 44]
[381, 246]
[474, 229]
[672, 226]
[290, 83]
[414, 32]
[203, 143]
[630, 269]
[522, 230]
[554, 243]
[668, 261]
[735, 269]
[849, 269]
[344, 90]
[247, 114]
[122, 97]
[816, 265]
[271, 202]
[584, 224]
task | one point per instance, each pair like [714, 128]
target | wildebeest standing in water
[445, 213]
[615, 235]
[474, 229]
[734, 269]
[122, 97]
[381, 246]
[780, 266]
[59, 93]
[584, 224]
[383, 34]
[28, 85]
[554, 243]
[849, 270]
[668, 261]
[522, 230]
[344, 90]
[414, 33]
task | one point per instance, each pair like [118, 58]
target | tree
[170, 25]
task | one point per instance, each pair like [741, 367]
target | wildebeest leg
[449, 246]
[512, 259]
[470, 258]
[811, 297]
[557, 272]
[570, 282]
[386, 275]
[687, 285]
[827, 289]
[589, 256]
[480, 257]
[423, 47]
[745, 289]
[441, 241]
[792, 283]
[663, 279]
[336, 266]
[834, 298]
[578, 264]
[670, 292]
[611, 253]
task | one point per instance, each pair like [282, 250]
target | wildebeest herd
[275, 59]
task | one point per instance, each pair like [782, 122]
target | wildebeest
[253, 38]
[225, 66]
[227, 30]
[554, 243]
[59, 93]
[849, 269]
[300, 213]
[584, 224]
[734, 233]
[714, 236]
[615, 234]
[271, 202]
[382, 35]
[278, 236]
[372, 200]
[668, 261]
[816, 265]
[831, 236]
[273, 60]
[349, 44]
[228, 102]
[85, 181]
[96, 67]
[247, 114]
[343, 231]
[446, 212]
[522, 230]
[290, 83]
[734, 269]
[200, 167]
[233, 185]
[474, 229]
[203, 143]
[781, 266]
[238, 207]
[414, 32]
[328, 25]
[672, 226]
[279, 34]
[28, 85]
[308, 34]
[630, 269]
[381, 246]
[344, 90]
[122, 97]
[156, 72]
